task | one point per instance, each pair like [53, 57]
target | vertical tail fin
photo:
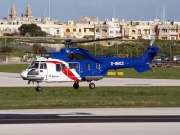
[147, 58]
[150, 54]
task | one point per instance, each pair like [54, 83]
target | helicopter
[76, 65]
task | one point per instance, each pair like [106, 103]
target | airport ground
[126, 121]
[115, 121]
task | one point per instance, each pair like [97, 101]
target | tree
[32, 29]
[37, 48]
[6, 49]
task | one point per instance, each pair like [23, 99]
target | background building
[91, 27]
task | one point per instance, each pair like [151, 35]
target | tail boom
[139, 64]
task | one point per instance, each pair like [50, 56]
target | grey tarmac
[116, 128]
[14, 80]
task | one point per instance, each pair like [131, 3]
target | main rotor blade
[40, 41]
[67, 41]
[95, 40]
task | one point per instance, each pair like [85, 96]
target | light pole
[95, 48]
[5, 38]
[170, 51]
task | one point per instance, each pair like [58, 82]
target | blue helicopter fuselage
[93, 67]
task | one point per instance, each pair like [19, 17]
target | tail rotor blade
[152, 41]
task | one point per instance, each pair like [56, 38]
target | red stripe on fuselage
[66, 71]
[54, 62]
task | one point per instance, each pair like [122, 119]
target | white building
[114, 28]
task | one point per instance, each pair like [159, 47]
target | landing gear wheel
[76, 85]
[91, 85]
[38, 88]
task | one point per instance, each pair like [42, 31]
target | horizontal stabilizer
[142, 69]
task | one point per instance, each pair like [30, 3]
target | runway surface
[95, 115]
[30, 119]
[14, 80]
[114, 121]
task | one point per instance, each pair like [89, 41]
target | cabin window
[70, 66]
[98, 66]
[76, 66]
[58, 67]
[63, 66]
[87, 66]
[73, 65]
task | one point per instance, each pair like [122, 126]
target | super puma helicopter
[77, 65]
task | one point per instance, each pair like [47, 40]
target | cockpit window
[43, 66]
[34, 64]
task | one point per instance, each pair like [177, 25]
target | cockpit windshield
[34, 64]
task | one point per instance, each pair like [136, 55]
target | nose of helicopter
[24, 74]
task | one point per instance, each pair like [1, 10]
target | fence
[28, 47]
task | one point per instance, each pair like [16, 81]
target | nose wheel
[38, 88]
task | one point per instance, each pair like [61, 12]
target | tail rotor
[152, 41]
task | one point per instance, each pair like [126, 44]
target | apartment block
[168, 31]
[91, 27]
[69, 30]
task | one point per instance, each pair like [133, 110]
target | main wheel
[38, 88]
[76, 85]
[91, 85]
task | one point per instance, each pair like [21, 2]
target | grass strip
[13, 68]
[101, 97]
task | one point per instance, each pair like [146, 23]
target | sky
[64, 10]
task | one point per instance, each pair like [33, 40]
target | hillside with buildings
[90, 27]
